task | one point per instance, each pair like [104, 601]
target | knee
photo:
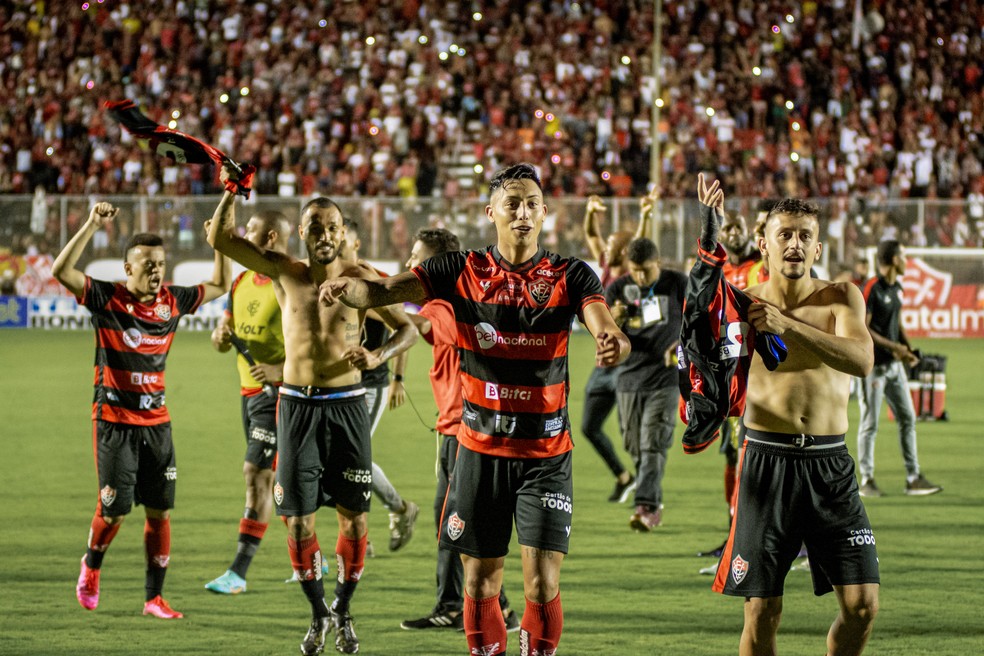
[300, 528]
[764, 614]
[862, 612]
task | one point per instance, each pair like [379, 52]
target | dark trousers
[599, 399]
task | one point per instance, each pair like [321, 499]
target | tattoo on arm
[397, 289]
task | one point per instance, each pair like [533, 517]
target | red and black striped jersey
[132, 343]
[513, 326]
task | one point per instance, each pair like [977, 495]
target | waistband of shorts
[322, 393]
[794, 440]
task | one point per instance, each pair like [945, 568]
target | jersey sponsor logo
[246, 329]
[501, 392]
[546, 272]
[733, 340]
[150, 402]
[557, 501]
[278, 494]
[163, 311]
[553, 426]
[481, 269]
[138, 378]
[469, 415]
[487, 336]
[171, 473]
[129, 308]
[861, 537]
[485, 284]
[739, 568]
[358, 475]
[456, 526]
[107, 495]
[504, 424]
[486, 650]
[540, 291]
[263, 435]
[132, 337]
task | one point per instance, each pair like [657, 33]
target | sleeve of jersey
[188, 299]
[96, 293]
[584, 286]
[439, 274]
[441, 317]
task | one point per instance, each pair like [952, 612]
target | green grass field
[623, 593]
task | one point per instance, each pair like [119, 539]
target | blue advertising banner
[13, 311]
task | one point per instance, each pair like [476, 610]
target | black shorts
[486, 492]
[324, 450]
[136, 465]
[789, 496]
[260, 425]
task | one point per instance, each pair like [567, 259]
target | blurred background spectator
[428, 97]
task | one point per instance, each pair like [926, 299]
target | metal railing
[388, 224]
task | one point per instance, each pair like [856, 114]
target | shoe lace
[346, 630]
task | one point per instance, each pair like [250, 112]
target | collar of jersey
[522, 266]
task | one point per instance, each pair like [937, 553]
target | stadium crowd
[370, 98]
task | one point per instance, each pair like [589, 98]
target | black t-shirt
[884, 304]
[654, 320]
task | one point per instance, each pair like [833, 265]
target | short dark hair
[887, 250]
[274, 220]
[766, 205]
[642, 250]
[142, 239]
[351, 224]
[323, 203]
[521, 171]
[794, 207]
[438, 240]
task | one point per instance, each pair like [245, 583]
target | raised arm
[711, 199]
[592, 230]
[63, 268]
[223, 238]
[364, 294]
[221, 276]
[647, 206]
[612, 345]
[848, 349]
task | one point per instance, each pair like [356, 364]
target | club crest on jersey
[163, 311]
[456, 526]
[739, 568]
[278, 494]
[540, 291]
[107, 495]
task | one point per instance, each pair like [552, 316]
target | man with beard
[324, 454]
[135, 323]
